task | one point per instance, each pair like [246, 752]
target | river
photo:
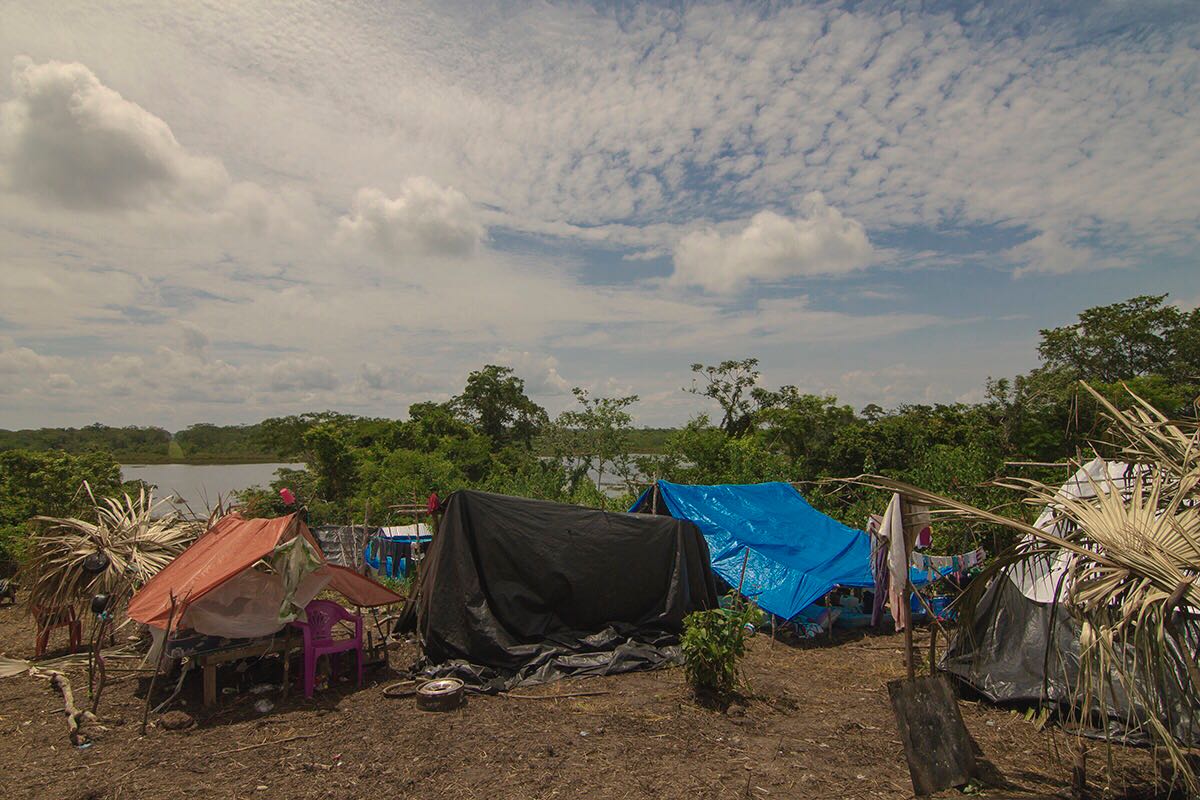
[200, 485]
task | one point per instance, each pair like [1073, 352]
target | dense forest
[493, 436]
[204, 443]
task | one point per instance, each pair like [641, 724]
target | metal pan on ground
[444, 694]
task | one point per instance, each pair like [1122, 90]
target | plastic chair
[50, 618]
[318, 638]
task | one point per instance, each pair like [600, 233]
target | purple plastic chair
[318, 639]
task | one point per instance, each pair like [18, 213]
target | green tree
[594, 438]
[330, 460]
[494, 400]
[48, 483]
[803, 427]
[1116, 342]
[731, 383]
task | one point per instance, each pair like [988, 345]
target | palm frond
[136, 539]
[1132, 549]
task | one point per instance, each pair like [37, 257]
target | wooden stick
[932, 649]
[745, 561]
[178, 685]
[909, 660]
[1079, 774]
[264, 744]
[553, 696]
[158, 666]
[97, 669]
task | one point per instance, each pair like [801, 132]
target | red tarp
[359, 589]
[228, 548]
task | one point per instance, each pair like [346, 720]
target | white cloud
[1049, 253]
[820, 241]
[423, 218]
[69, 140]
[195, 341]
[540, 373]
[301, 374]
[218, 150]
[889, 385]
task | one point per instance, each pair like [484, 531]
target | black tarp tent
[519, 591]
[1020, 651]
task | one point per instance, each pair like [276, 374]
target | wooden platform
[283, 646]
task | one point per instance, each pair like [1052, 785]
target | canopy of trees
[493, 436]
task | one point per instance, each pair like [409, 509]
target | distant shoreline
[215, 461]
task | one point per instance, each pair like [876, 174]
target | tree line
[493, 436]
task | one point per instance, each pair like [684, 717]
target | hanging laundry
[918, 525]
[900, 542]
[954, 563]
[879, 567]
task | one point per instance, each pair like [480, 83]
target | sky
[223, 211]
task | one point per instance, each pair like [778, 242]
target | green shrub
[712, 643]
[14, 543]
[400, 586]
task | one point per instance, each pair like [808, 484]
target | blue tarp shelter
[797, 554]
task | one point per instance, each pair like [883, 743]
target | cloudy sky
[222, 211]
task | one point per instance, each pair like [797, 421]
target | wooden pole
[654, 496]
[158, 666]
[932, 648]
[360, 546]
[1079, 774]
[909, 659]
[96, 657]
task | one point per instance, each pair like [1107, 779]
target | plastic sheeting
[251, 604]
[1040, 578]
[523, 591]
[797, 554]
[342, 544]
[1022, 651]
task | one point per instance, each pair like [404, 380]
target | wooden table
[283, 646]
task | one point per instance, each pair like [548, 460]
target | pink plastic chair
[318, 638]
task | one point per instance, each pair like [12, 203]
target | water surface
[201, 485]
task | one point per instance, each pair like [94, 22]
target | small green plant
[712, 643]
[397, 585]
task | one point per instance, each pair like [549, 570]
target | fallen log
[76, 717]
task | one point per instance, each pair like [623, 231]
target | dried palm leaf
[127, 531]
[1133, 564]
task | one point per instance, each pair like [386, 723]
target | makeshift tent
[1024, 646]
[524, 591]
[797, 554]
[390, 550]
[385, 550]
[219, 588]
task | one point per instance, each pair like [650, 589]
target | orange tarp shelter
[228, 548]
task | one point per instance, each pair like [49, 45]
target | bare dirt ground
[818, 725]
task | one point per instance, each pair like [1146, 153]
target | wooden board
[935, 739]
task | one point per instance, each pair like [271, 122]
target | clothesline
[956, 563]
